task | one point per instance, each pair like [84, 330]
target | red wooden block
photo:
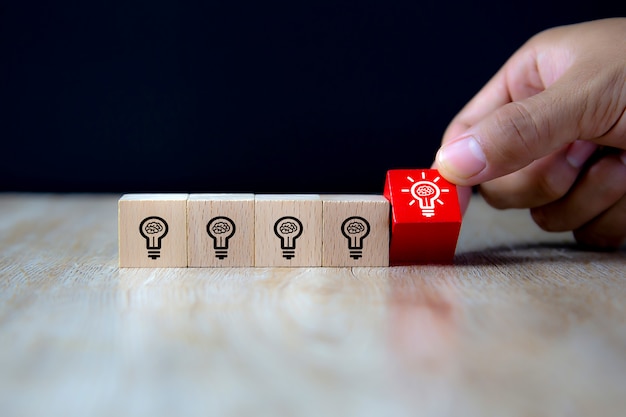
[425, 217]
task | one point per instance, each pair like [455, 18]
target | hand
[529, 135]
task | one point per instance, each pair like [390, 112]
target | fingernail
[579, 152]
[463, 157]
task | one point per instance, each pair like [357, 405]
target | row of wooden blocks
[416, 221]
[243, 230]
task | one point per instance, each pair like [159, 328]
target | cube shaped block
[288, 230]
[152, 230]
[220, 230]
[425, 217]
[355, 230]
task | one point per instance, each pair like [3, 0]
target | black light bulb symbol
[220, 229]
[288, 229]
[153, 229]
[355, 229]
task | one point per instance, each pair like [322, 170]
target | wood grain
[373, 248]
[303, 246]
[143, 248]
[525, 324]
[202, 248]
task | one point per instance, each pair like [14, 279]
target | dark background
[300, 96]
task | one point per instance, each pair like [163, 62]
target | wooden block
[355, 230]
[288, 230]
[152, 230]
[425, 217]
[220, 230]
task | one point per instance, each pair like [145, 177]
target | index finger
[516, 80]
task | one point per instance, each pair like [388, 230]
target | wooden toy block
[152, 230]
[355, 230]
[220, 230]
[288, 230]
[425, 217]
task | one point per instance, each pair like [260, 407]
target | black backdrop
[300, 96]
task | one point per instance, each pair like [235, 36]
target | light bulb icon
[220, 229]
[288, 229]
[153, 229]
[355, 229]
[426, 193]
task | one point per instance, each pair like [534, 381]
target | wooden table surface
[524, 324]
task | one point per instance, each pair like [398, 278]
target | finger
[616, 136]
[464, 195]
[492, 96]
[518, 133]
[516, 80]
[540, 183]
[608, 231]
[598, 189]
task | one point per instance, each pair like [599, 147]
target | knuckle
[597, 239]
[539, 218]
[524, 128]
[604, 102]
[610, 174]
[549, 188]
[548, 221]
[494, 196]
[528, 188]
[607, 231]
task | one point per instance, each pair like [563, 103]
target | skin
[548, 133]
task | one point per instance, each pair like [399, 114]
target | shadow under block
[288, 230]
[152, 230]
[220, 230]
[355, 230]
[425, 217]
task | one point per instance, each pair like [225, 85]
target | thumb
[514, 135]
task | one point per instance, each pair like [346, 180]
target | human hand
[528, 136]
